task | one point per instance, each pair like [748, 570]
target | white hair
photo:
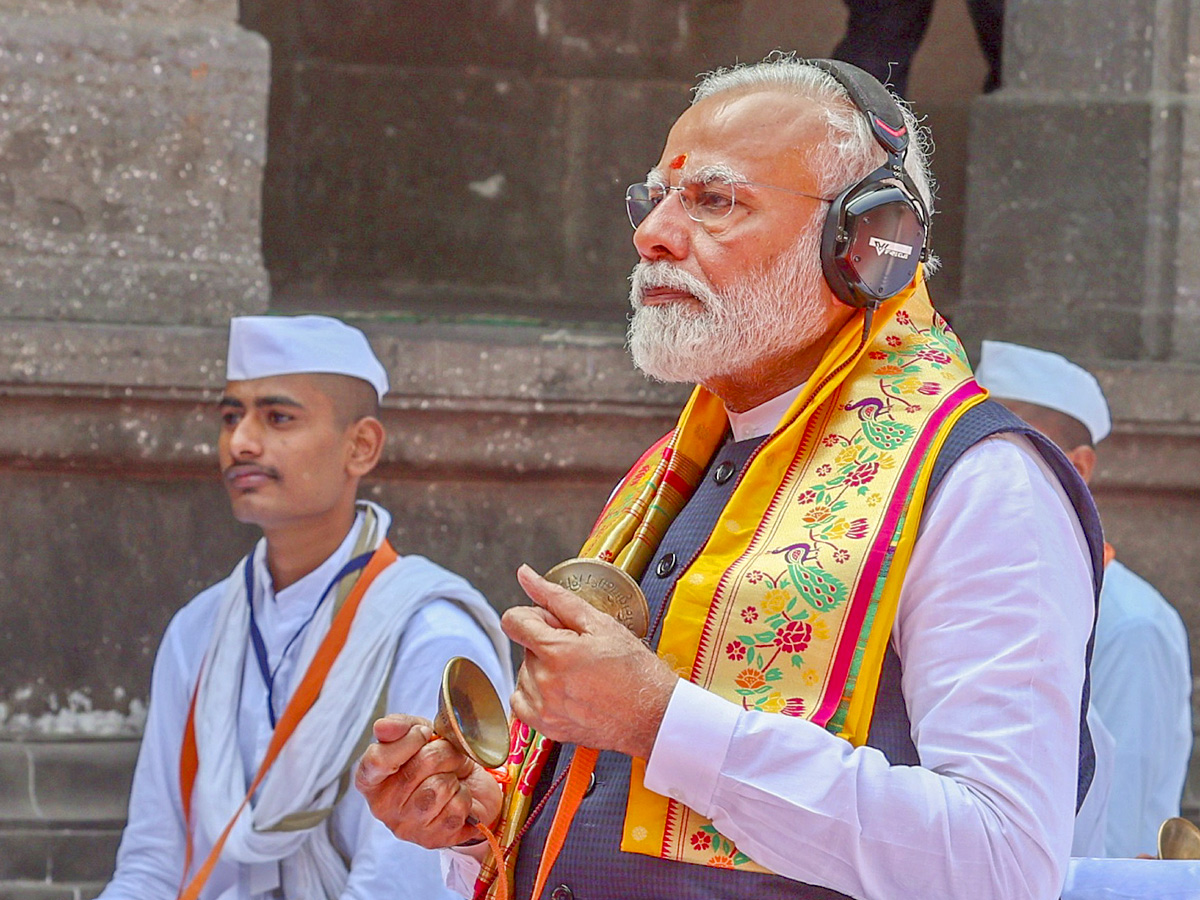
[851, 151]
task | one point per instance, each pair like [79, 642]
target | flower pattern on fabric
[724, 855]
[794, 706]
[774, 601]
[793, 637]
[863, 447]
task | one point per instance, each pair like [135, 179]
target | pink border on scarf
[876, 555]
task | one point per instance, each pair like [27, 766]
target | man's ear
[1083, 458]
[367, 437]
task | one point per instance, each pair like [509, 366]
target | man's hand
[586, 679]
[424, 790]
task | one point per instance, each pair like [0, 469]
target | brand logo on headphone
[890, 248]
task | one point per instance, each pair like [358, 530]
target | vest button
[665, 566]
[724, 472]
[591, 785]
[562, 892]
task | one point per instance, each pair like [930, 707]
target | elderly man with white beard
[871, 591]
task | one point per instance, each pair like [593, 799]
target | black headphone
[877, 229]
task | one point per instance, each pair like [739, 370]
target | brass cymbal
[606, 587]
[1178, 839]
[471, 715]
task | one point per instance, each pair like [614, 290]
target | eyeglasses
[706, 202]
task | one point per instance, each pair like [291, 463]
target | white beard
[767, 313]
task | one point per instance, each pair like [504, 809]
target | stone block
[83, 781]
[113, 360]
[16, 796]
[85, 858]
[636, 38]
[1072, 224]
[55, 858]
[131, 155]
[80, 622]
[25, 854]
[174, 10]
[29, 890]
[1095, 47]
[97, 290]
[465, 192]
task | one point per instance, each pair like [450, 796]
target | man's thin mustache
[233, 471]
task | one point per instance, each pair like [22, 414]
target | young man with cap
[266, 683]
[1141, 674]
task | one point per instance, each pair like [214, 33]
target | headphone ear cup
[872, 242]
[832, 249]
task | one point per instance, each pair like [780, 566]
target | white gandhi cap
[1014, 372]
[264, 346]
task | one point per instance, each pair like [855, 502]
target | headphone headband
[873, 100]
[877, 230]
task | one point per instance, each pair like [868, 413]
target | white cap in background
[1015, 372]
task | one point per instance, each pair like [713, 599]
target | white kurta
[151, 854]
[1141, 688]
[991, 631]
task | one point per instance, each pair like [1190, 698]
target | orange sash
[305, 695]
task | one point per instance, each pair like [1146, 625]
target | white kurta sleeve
[383, 867]
[993, 621]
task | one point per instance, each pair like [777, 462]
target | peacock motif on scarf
[818, 588]
[885, 434]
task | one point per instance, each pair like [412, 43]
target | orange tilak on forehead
[678, 162]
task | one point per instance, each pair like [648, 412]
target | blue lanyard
[256, 638]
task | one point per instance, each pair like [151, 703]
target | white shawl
[286, 822]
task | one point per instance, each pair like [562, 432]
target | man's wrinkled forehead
[755, 132]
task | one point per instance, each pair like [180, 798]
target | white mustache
[648, 276]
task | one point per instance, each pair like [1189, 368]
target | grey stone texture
[456, 192]
[123, 211]
[62, 806]
[1081, 206]
[32, 890]
[132, 144]
[471, 157]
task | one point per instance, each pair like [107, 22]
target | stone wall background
[448, 175]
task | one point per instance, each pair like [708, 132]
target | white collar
[764, 418]
[306, 590]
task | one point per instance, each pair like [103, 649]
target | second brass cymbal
[606, 587]
[471, 715]
[1178, 838]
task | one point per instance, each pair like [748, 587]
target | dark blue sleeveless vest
[591, 866]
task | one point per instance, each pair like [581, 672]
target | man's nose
[665, 233]
[246, 439]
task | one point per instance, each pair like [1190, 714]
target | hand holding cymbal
[471, 715]
[606, 587]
